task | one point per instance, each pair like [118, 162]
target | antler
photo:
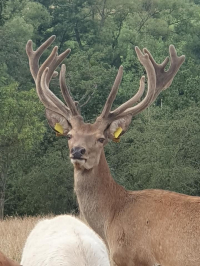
[158, 80]
[106, 110]
[164, 79]
[43, 74]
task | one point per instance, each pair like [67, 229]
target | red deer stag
[146, 228]
[4, 261]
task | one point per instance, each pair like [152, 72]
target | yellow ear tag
[59, 129]
[117, 134]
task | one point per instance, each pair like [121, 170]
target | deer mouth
[77, 159]
[80, 161]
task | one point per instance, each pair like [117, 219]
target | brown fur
[146, 228]
[4, 261]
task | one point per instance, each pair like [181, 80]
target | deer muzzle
[77, 153]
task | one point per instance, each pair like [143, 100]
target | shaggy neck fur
[98, 195]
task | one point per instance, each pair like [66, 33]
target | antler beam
[158, 80]
[43, 74]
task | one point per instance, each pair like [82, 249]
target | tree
[159, 151]
[24, 20]
[44, 183]
[20, 129]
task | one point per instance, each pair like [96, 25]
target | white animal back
[64, 241]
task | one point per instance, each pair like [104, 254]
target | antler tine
[112, 95]
[65, 92]
[146, 62]
[58, 59]
[45, 86]
[43, 74]
[165, 78]
[132, 101]
[34, 56]
[45, 95]
[58, 106]
[44, 98]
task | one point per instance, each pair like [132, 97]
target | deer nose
[77, 152]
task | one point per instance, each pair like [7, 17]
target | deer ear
[119, 127]
[58, 123]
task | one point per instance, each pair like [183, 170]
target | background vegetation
[14, 232]
[161, 148]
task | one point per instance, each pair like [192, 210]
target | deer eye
[69, 136]
[101, 140]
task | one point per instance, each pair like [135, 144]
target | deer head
[86, 141]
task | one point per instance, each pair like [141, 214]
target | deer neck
[98, 195]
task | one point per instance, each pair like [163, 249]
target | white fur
[64, 241]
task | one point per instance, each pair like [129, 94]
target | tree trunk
[102, 13]
[2, 193]
[2, 202]
[78, 39]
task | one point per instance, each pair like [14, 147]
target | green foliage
[36, 15]
[24, 19]
[161, 149]
[160, 153]
[20, 130]
[20, 124]
[13, 37]
[47, 187]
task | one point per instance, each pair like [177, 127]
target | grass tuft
[13, 235]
